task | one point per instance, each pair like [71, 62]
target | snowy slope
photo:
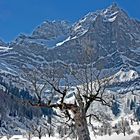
[111, 33]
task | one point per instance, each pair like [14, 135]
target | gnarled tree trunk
[81, 125]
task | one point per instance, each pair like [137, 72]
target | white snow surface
[123, 76]
[4, 49]
[114, 136]
[60, 43]
[112, 19]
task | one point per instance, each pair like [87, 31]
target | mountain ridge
[113, 36]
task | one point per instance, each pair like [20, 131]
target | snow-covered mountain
[111, 34]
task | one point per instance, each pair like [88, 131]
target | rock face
[49, 30]
[111, 34]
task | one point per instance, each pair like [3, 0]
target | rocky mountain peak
[109, 14]
[51, 29]
[114, 7]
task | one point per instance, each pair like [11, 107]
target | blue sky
[22, 16]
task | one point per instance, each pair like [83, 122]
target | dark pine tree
[115, 108]
[137, 113]
[132, 105]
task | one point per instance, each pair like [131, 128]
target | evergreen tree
[137, 113]
[132, 105]
[115, 108]
[128, 102]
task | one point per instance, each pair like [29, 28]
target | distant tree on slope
[115, 108]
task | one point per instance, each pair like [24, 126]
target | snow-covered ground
[114, 136]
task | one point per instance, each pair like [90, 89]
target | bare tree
[89, 87]
[28, 135]
[8, 136]
[37, 129]
[49, 128]
[123, 126]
